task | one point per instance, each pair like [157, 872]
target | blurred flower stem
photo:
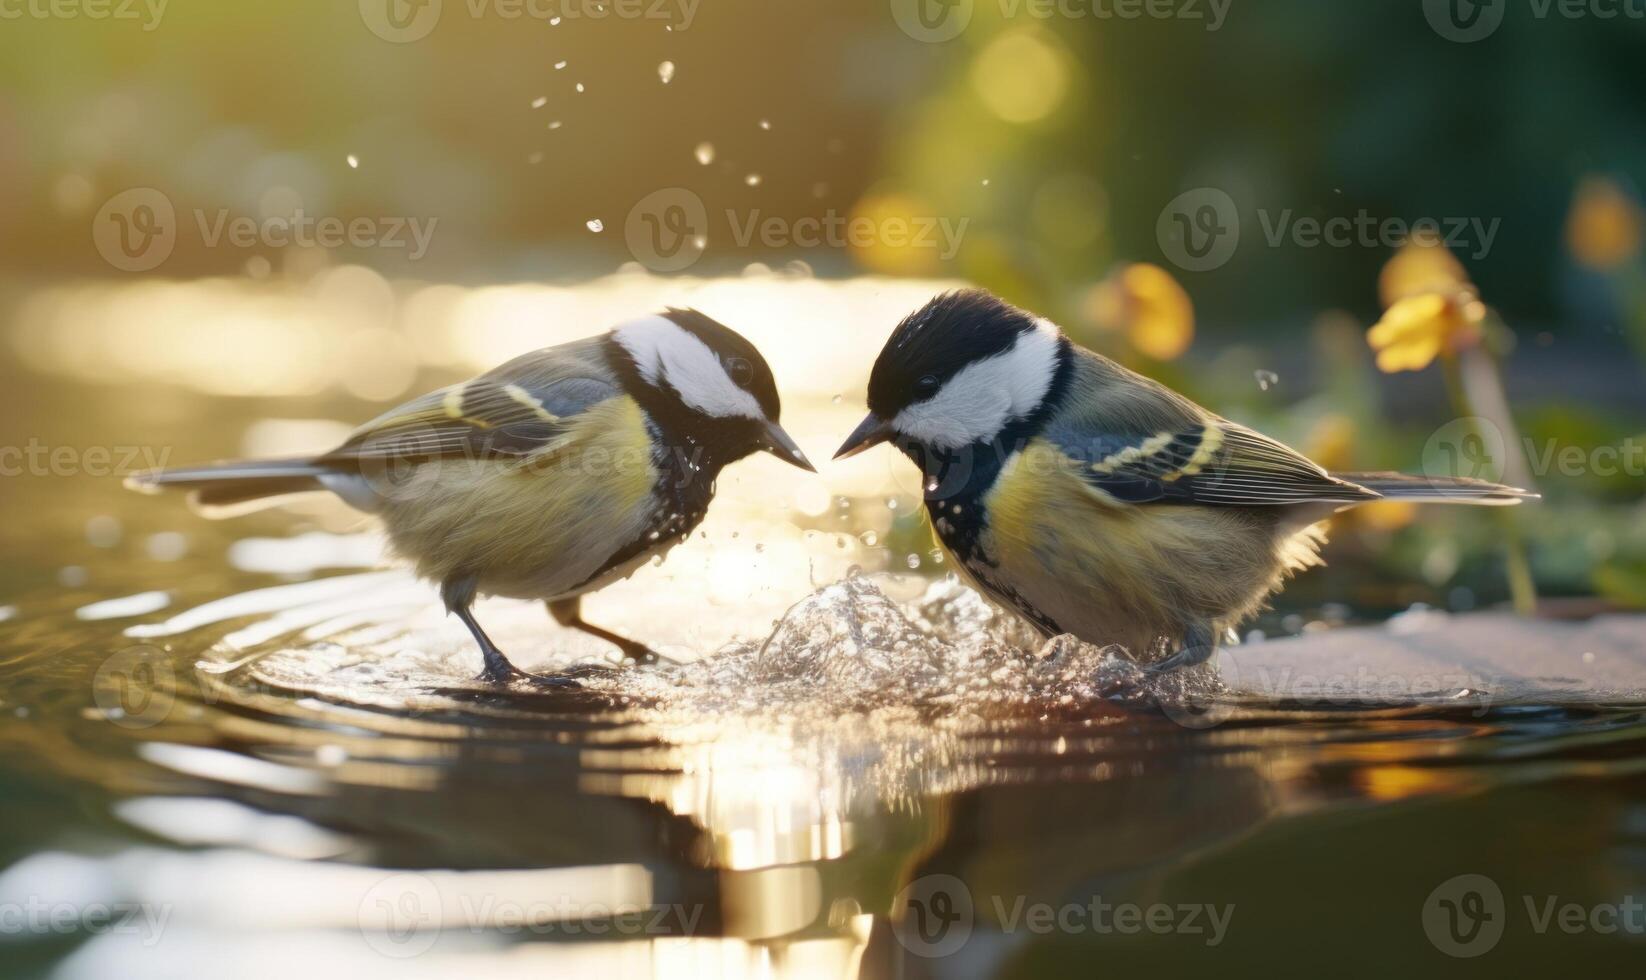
[1474, 382]
[1432, 311]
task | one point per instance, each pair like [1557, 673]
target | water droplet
[665, 72]
[580, 86]
[913, 560]
[596, 225]
[870, 538]
[555, 124]
[985, 181]
[554, 21]
[705, 153]
[753, 180]
[354, 162]
[540, 102]
[936, 555]
[837, 399]
[892, 503]
[766, 124]
[559, 65]
[1266, 379]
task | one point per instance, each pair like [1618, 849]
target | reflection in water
[792, 787]
[277, 760]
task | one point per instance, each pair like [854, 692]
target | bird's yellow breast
[1112, 572]
[538, 525]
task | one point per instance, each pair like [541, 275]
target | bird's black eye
[927, 385]
[740, 371]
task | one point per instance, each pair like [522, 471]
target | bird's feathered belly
[1109, 572]
[555, 524]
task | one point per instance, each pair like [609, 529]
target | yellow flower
[1417, 329]
[1146, 303]
[1603, 227]
[1423, 265]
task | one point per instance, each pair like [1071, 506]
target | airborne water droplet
[596, 225]
[665, 72]
[766, 124]
[354, 162]
[1266, 379]
[753, 180]
[559, 65]
[913, 561]
[870, 538]
[580, 86]
[540, 102]
[705, 153]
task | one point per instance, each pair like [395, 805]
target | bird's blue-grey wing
[1212, 462]
[516, 410]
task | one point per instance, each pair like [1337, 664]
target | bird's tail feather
[1439, 489]
[220, 489]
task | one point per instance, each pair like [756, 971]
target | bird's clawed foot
[499, 671]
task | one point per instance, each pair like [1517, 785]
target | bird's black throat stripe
[957, 481]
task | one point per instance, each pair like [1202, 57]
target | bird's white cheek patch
[664, 352]
[978, 402]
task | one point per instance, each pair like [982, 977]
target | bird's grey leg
[1199, 646]
[568, 612]
[458, 594]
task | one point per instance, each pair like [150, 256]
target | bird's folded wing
[521, 409]
[1215, 463]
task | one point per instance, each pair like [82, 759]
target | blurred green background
[1049, 138]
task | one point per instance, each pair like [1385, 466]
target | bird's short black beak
[871, 432]
[778, 443]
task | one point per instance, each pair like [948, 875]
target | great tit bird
[1094, 501]
[548, 477]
